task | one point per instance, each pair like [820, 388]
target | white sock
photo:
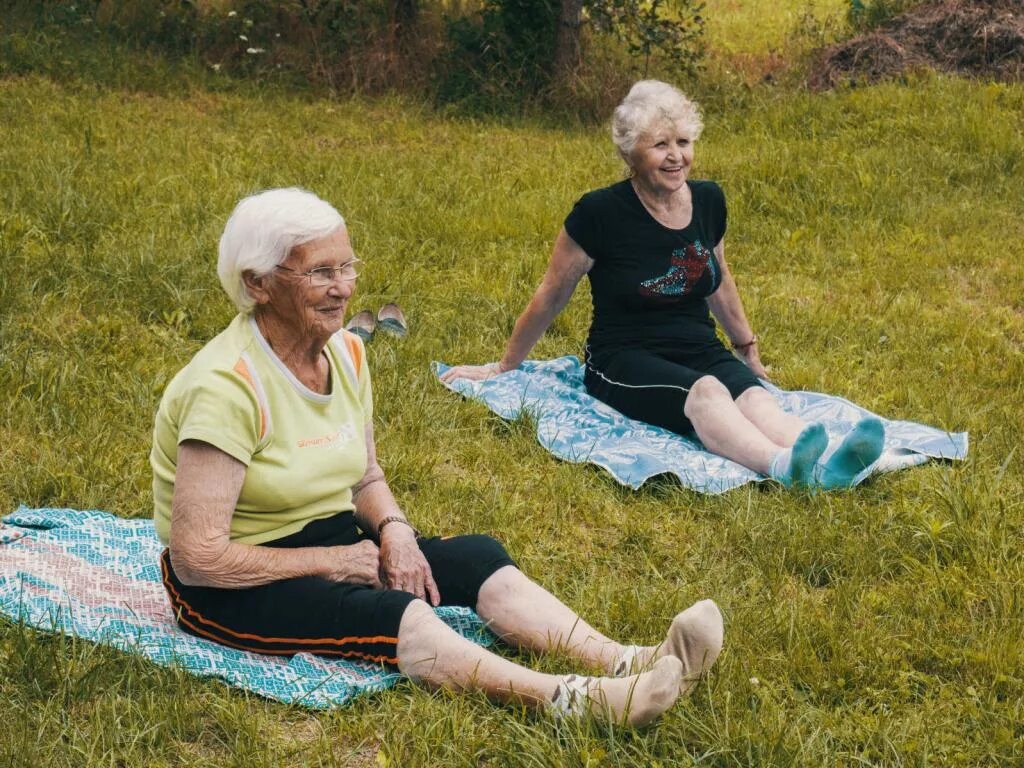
[572, 696]
[634, 701]
[779, 466]
[632, 659]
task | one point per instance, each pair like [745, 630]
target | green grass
[759, 27]
[877, 238]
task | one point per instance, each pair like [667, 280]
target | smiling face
[662, 157]
[308, 311]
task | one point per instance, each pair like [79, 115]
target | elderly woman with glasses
[653, 248]
[283, 536]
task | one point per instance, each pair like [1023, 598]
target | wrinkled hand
[403, 566]
[471, 372]
[750, 356]
[357, 563]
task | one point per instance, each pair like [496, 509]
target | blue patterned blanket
[576, 427]
[94, 575]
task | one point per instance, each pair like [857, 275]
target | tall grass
[876, 235]
[763, 27]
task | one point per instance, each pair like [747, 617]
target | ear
[626, 159]
[257, 286]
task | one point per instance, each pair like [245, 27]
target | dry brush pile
[983, 38]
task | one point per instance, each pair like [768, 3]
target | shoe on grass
[362, 324]
[391, 319]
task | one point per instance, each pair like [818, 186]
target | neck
[301, 354]
[660, 199]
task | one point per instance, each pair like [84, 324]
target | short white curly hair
[261, 232]
[649, 103]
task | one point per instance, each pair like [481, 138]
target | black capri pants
[329, 618]
[652, 386]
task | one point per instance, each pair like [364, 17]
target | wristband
[752, 342]
[394, 519]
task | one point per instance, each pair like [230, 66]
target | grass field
[877, 238]
[758, 27]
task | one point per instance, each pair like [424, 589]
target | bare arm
[569, 263]
[727, 308]
[372, 496]
[206, 487]
[402, 563]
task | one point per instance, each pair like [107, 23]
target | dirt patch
[977, 37]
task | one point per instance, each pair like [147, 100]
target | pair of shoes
[390, 318]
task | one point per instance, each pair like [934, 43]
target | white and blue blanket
[579, 428]
[94, 575]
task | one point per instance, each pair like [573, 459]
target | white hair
[648, 103]
[261, 232]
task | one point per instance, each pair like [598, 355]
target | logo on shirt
[330, 441]
[686, 266]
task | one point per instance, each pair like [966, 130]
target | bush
[500, 56]
[868, 14]
[506, 54]
[492, 55]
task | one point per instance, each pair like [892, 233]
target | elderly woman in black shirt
[653, 248]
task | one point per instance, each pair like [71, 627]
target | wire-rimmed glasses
[321, 277]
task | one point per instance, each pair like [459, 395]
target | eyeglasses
[321, 277]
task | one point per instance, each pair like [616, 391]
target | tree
[521, 50]
[567, 40]
[402, 16]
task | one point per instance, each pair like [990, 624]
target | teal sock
[859, 449]
[795, 466]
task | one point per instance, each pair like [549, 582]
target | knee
[420, 634]
[463, 564]
[487, 549]
[475, 553]
[416, 615]
[706, 390]
[502, 587]
[755, 396]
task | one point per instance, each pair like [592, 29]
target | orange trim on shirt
[243, 370]
[355, 349]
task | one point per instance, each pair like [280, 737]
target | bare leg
[725, 429]
[524, 614]
[763, 411]
[431, 652]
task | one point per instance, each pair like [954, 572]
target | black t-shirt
[649, 283]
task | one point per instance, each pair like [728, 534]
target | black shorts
[329, 618]
[653, 386]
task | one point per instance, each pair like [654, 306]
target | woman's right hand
[569, 263]
[471, 372]
[356, 563]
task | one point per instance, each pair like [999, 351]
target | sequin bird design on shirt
[686, 266]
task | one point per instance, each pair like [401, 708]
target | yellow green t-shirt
[303, 451]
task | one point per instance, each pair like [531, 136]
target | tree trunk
[567, 42]
[402, 15]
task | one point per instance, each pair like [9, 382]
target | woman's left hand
[750, 356]
[403, 565]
